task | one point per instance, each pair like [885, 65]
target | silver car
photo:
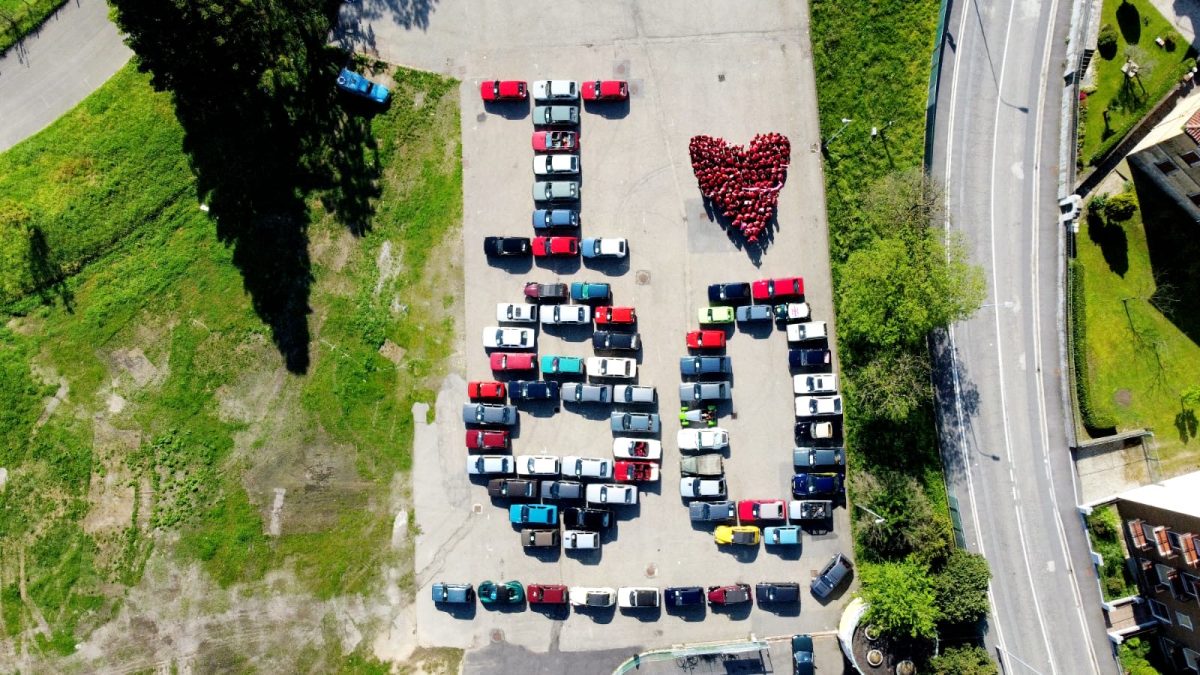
[555, 114]
[632, 422]
[753, 313]
[561, 489]
[633, 393]
[694, 392]
[555, 190]
[575, 392]
[484, 413]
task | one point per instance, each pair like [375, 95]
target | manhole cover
[651, 570]
[477, 508]
[481, 117]
[497, 635]
[642, 277]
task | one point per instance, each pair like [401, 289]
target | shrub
[1097, 421]
[1106, 42]
[1120, 207]
[961, 587]
[969, 660]
[1103, 524]
[901, 599]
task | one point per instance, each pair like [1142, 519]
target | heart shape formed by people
[743, 182]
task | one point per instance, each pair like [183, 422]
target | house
[1161, 523]
[1169, 156]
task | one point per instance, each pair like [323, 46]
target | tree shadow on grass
[45, 272]
[1113, 243]
[1185, 424]
[1129, 19]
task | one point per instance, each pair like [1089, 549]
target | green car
[716, 315]
[561, 365]
[508, 593]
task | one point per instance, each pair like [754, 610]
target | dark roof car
[817, 431]
[819, 459]
[512, 488]
[705, 365]
[506, 245]
[683, 596]
[802, 655]
[831, 576]
[549, 218]
[776, 591]
[531, 538]
[561, 489]
[808, 358]
[485, 413]
[536, 291]
[453, 593]
[729, 595]
[532, 390]
[582, 291]
[586, 519]
[503, 90]
[612, 340]
[507, 593]
[730, 292]
[817, 485]
[712, 511]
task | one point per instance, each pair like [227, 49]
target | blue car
[546, 219]
[533, 514]
[683, 596]
[782, 535]
[351, 82]
[816, 485]
[589, 290]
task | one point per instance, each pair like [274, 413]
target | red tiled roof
[1192, 127]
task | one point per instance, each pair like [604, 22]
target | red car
[546, 594]
[502, 361]
[632, 472]
[613, 315]
[556, 141]
[503, 90]
[706, 339]
[761, 509]
[605, 90]
[487, 439]
[765, 289]
[486, 390]
[544, 246]
[729, 595]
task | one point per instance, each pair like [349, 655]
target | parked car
[541, 292]
[506, 246]
[705, 365]
[810, 509]
[634, 422]
[532, 538]
[489, 413]
[778, 592]
[487, 439]
[555, 141]
[810, 358]
[632, 394]
[507, 361]
[546, 219]
[493, 391]
[637, 448]
[814, 406]
[831, 576]
[612, 366]
[555, 190]
[586, 519]
[604, 247]
[504, 337]
[555, 246]
[637, 597]
[731, 293]
[715, 315]
[738, 535]
[782, 535]
[545, 115]
[702, 488]
[635, 472]
[503, 90]
[819, 459]
[759, 509]
[533, 514]
[537, 465]
[808, 431]
[354, 83]
[584, 291]
[707, 512]
[563, 314]
[810, 330]
[607, 340]
[747, 313]
[581, 392]
[605, 90]
[695, 392]
[683, 596]
[547, 594]
[561, 365]
[767, 289]
[507, 593]
[710, 464]
[532, 390]
[711, 438]
[706, 339]
[553, 165]
[452, 593]
[479, 465]
[583, 596]
[793, 311]
[818, 383]
[581, 540]
[561, 489]
[817, 485]
[512, 488]
[586, 467]
[803, 662]
[610, 493]
[615, 315]
[729, 595]
[555, 90]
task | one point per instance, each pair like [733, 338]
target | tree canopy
[968, 660]
[962, 586]
[901, 598]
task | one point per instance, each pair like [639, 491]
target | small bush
[1106, 42]
[1120, 207]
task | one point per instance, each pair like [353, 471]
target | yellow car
[747, 535]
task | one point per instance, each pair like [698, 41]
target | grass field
[20, 17]
[176, 424]
[1135, 25]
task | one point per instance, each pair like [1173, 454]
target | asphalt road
[1001, 404]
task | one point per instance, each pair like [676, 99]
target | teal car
[507, 593]
[590, 290]
[783, 535]
[532, 514]
[716, 315]
[561, 365]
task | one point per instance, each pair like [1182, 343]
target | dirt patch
[249, 398]
[25, 325]
[110, 493]
[1123, 397]
[392, 352]
[133, 362]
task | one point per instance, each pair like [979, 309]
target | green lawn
[20, 17]
[1136, 25]
[175, 387]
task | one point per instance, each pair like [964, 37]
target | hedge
[1096, 419]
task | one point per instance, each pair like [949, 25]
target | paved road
[73, 53]
[1002, 410]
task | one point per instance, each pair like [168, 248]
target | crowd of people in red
[744, 183]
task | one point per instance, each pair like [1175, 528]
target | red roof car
[544, 246]
[555, 141]
[485, 390]
[487, 439]
[706, 339]
[511, 361]
[765, 289]
[605, 90]
[546, 594]
[503, 90]
[761, 509]
[611, 315]
[729, 595]
[628, 472]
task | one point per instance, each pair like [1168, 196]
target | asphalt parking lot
[695, 68]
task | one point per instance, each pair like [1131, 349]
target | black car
[506, 246]
[543, 292]
[607, 339]
[831, 576]
[777, 592]
[818, 432]
[532, 390]
[808, 358]
[586, 519]
[819, 459]
[683, 596]
[705, 365]
[513, 488]
[732, 292]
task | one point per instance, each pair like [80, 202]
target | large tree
[962, 586]
[900, 598]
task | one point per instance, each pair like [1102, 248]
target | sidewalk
[1183, 14]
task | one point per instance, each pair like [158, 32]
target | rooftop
[1174, 494]
[1180, 120]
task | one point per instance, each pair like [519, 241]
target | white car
[545, 165]
[701, 488]
[813, 330]
[580, 539]
[509, 338]
[636, 448]
[611, 366]
[603, 247]
[611, 493]
[478, 465]
[537, 465]
[714, 438]
[817, 383]
[556, 314]
[585, 596]
[811, 406]
[586, 467]
[516, 312]
[636, 597]
[634, 393]
[555, 90]
[793, 311]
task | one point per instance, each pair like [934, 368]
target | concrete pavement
[49, 72]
